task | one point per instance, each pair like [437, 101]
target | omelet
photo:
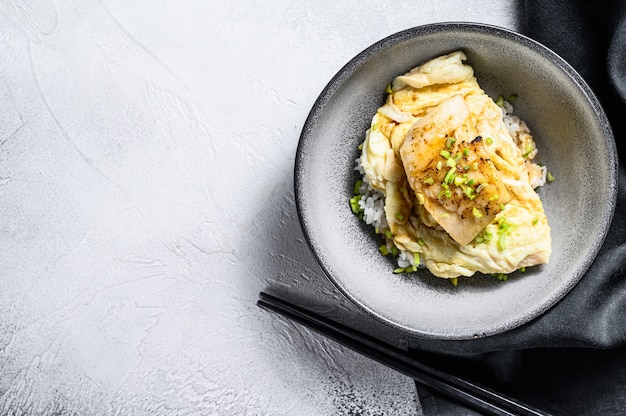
[458, 180]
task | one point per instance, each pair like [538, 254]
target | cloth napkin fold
[571, 360]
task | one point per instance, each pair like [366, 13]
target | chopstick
[477, 397]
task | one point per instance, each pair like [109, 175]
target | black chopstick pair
[455, 388]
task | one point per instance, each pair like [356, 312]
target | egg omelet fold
[459, 187]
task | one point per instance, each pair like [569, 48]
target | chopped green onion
[475, 165]
[449, 142]
[444, 153]
[459, 180]
[388, 233]
[449, 176]
[450, 163]
[421, 242]
[354, 204]
[383, 250]
[360, 146]
[467, 167]
[399, 270]
[471, 182]
[512, 97]
[535, 221]
[528, 151]
[388, 90]
[445, 215]
[501, 241]
[489, 140]
[466, 151]
[399, 217]
[357, 186]
[394, 250]
[439, 165]
[416, 258]
[476, 212]
[445, 192]
[494, 197]
[500, 101]
[457, 157]
[429, 181]
[375, 126]
[445, 186]
[502, 277]
[454, 281]
[413, 268]
[421, 199]
[550, 177]
[522, 269]
[481, 187]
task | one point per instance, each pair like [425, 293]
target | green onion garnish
[354, 204]
[383, 250]
[388, 90]
[399, 270]
[550, 177]
[489, 140]
[416, 258]
[421, 242]
[429, 181]
[357, 186]
[449, 176]
[399, 217]
[476, 212]
[481, 187]
[449, 142]
[501, 241]
[500, 101]
[466, 151]
[454, 281]
[444, 153]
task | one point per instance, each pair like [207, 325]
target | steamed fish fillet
[457, 183]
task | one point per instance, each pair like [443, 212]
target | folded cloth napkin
[571, 360]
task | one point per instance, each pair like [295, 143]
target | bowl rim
[353, 64]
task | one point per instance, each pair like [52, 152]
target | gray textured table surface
[146, 156]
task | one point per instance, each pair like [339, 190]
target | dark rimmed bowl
[574, 140]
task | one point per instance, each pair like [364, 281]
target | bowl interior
[574, 141]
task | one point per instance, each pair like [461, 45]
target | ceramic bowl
[574, 139]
